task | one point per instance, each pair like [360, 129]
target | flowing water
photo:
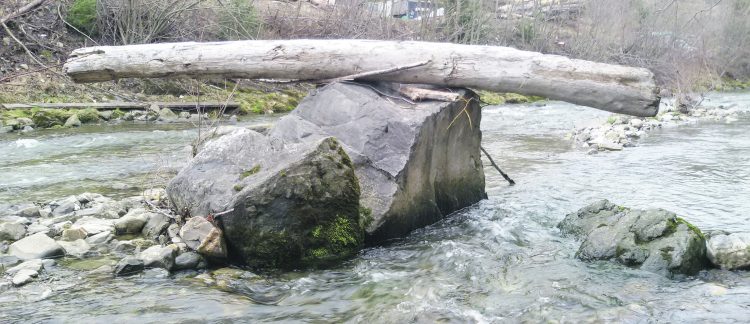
[501, 260]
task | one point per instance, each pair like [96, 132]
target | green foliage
[238, 20]
[256, 102]
[238, 187]
[89, 115]
[46, 118]
[526, 30]
[611, 119]
[117, 113]
[82, 15]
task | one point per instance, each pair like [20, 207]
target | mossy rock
[47, 118]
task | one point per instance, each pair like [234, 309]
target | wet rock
[730, 251]
[34, 265]
[636, 123]
[24, 121]
[7, 261]
[204, 237]
[132, 222]
[12, 231]
[129, 266]
[23, 277]
[37, 246]
[184, 115]
[65, 206]
[101, 238]
[73, 121]
[655, 240]
[187, 260]
[77, 248]
[166, 114]
[156, 273]
[73, 234]
[154, 194]
[37, 228]
[159, 257]
[105, 114]
[414, 166]
[93, 225]
[157, 223]
[277, 194]
[27, 129]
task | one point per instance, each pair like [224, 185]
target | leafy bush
[82, 15]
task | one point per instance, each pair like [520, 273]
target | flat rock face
[37, 246]
[203, 236]
[415, 163]
[289, 204]
[730, 251]
[655, 240]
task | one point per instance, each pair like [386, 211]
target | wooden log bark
[614, 88]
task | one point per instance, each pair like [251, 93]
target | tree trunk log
[614, 88]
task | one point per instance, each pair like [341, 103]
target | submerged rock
[37, 246]
[730, 251]
[415, 163]
[655, 240]
[128, 266]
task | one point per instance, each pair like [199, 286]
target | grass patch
[250, 172]
[497, 98]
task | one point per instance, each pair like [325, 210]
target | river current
[501, 260]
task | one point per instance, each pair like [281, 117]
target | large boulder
[730, 251]
[280, 204]
[37, 246]
[655, 240]
[416, 163]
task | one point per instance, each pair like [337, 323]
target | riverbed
[502, 260]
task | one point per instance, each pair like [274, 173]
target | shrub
[238, 20]
[82, 15]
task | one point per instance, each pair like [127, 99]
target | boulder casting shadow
[349, 164]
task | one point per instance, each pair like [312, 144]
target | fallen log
[614, 88]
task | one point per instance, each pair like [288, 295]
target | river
[502, 260]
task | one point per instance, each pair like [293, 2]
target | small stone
[154, 194]
[65, 206]
[159, 257]
[12, 231]
[184, 115]
[187, 260]
[36, 246]
[94, 225]
[8, 261]
[77, 248]
[204, 237]
[73, 121]
[37, 228]
[72, 234]
[128, 266]
[27, 129]
[132, 222]
[23, 277]
[156, 224]
[35, 265]
[23, 66]
[636, 123]
[165, 114]
[729, 251]
[101, 238]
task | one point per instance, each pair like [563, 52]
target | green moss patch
[496, 98]
[257, 102]
[250, 172]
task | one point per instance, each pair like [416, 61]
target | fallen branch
[372, 73]
[21, 11]
[417, 94]
[510, 181]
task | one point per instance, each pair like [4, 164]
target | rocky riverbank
[620, 131]
[654, 240]
[29, 120]
[101, 235]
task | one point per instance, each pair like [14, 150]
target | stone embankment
[654, 240]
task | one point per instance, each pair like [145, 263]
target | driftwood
[608, 87]
[417, 94]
